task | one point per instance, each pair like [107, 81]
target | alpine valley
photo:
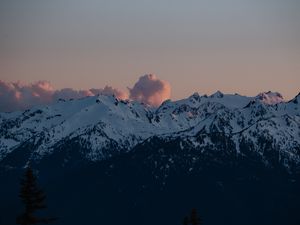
[102, 160]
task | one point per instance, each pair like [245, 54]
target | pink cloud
[68, 93]
[107, 90]
[18, 96]
[151, 90]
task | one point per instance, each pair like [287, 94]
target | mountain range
[228, 154]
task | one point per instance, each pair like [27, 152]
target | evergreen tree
[194, 218]
[33, 199]
[186, 221]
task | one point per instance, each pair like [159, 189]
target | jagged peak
[195, 96]
[217, 94]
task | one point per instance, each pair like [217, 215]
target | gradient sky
[244, 46]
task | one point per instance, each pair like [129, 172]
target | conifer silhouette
[186, 221]
[194, 218]
[33, 199]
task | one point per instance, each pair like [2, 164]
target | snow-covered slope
[102, 126]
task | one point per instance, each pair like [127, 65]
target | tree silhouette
[33, 199]
[186, 220]
[193, 219]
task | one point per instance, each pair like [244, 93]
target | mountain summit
[104, 126]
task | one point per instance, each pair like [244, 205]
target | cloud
[151, 90]
[17, 96]
[107, 90]
[69, 93]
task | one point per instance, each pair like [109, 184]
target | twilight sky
[244, 46]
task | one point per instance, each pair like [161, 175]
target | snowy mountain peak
[103, 125]
[218, 94]
[270, 98]
[195, 96]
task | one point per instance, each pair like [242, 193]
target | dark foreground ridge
[158, 183]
